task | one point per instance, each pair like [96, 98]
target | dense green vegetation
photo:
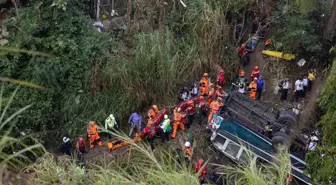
[90, 74]
[322, 161]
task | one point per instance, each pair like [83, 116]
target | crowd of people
[208, 96]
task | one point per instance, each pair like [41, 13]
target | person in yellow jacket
[311, 78]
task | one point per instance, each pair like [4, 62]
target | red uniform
[255, 74]
[220, 79]
[198, 168]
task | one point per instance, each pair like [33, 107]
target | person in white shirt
[305, 85]
[298, 89]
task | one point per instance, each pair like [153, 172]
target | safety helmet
[255, 78]
[92, 123]
[155, 107]
[241, 73]
[65, 139]
[187, 144]
[179, 109]
[256, 67]
[165, 116]
[81, 139]
[111, 116]
[221, 71]
[205, 75]
[200, 161]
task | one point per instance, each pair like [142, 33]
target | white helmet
[179, 109]
[65, 139]
[165, 116]
[187, 144]
[111, 116]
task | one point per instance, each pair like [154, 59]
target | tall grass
[14, 150]
[253, 173]
[140, 166]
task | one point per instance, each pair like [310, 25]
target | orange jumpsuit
[204, 86]
[253, 90]
[211, 95]
[92, 131]
[215, 106]
[177, 123]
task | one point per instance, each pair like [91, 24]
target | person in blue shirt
[260, 86]
[135, 121]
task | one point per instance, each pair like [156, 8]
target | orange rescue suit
[204, 86]
[93, 135]
[211, 95]
[215, 106]
[253, 90]
[177, 122]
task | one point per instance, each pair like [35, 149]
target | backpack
[151, 133]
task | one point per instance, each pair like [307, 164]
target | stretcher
[277, 54]
[116, 143]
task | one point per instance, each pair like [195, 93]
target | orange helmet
[241, 73]
[221, 71]
[81, 139]
[256, 67]
[205, 75]
[91, 123]
[155, 107]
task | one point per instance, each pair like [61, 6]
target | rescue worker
[201, 168]
[298, 91]
[152, 113]
[220, 93]
[150, 132]
[204, 84]
[253, 89]
[135, 120]
[194, 90]
[305, 85]
[166, 127]
[311, 78]
[66, 146]
[241, 82]
[212, 94]
[81, 149]
[284, 86]
[93, 135]
[188, 152]
[81, 146]
[260, 86]
[255, 73]
[220, 78]
[111, 124]
[191, 112]
[215, 107]
[177, 121]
